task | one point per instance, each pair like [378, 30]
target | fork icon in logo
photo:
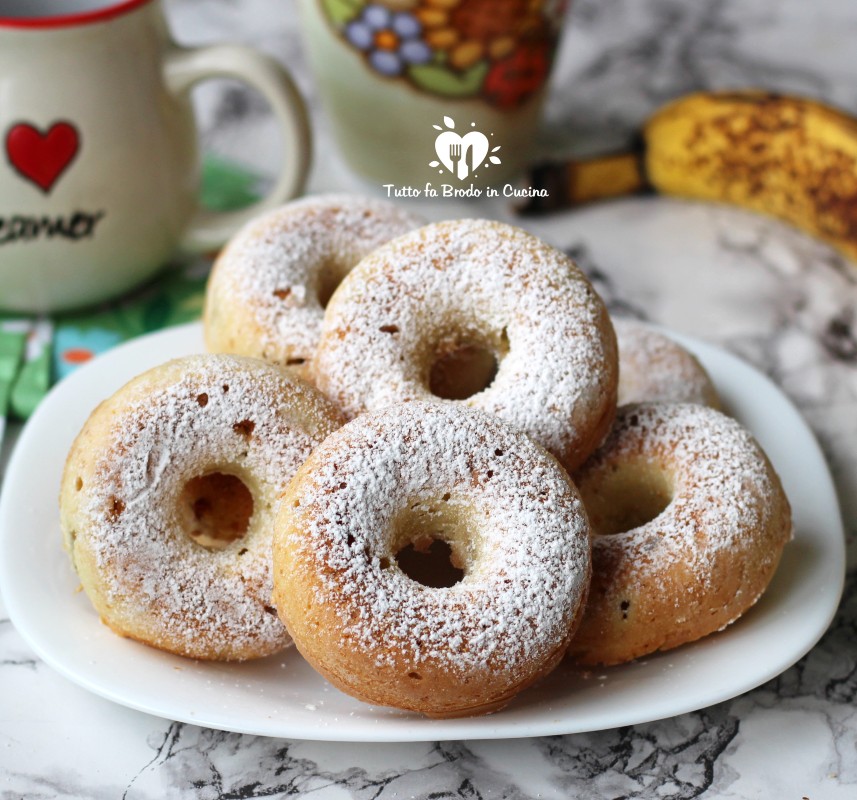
[455, 158]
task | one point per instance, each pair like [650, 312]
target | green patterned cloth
[12, 344]
[36, 352]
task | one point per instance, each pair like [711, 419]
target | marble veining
[785, 303]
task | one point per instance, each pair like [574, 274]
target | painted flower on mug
[391, 39]
[474, 30]
[511, 80]
[499, 50]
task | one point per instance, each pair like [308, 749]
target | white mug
[99, 165]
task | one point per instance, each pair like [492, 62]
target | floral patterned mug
[99, 166]
[442, 91]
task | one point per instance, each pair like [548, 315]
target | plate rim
[419, 728]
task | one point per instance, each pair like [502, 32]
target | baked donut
[159, 487]
[268, 288]
[429, 557]
[654, 368]
[689, 520]
[419, 317]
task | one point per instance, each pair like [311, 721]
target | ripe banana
[791, 158]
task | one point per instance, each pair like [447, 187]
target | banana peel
[787, 157]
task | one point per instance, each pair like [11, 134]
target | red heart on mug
[42, 157]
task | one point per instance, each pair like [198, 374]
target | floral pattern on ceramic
[497, 50]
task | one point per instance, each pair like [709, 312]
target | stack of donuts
[403, 453]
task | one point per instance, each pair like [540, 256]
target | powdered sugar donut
[429, 557]
[689, 521]
[267, 291]
[421, 316]
[159, 487]
[655, 368]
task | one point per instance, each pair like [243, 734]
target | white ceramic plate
[282, 696]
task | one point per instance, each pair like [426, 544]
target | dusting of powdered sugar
[654, 368]
[265, 285]
[521, 594]
[727, 500]
[191, 417]
[482, 282]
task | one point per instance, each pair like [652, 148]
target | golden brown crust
[242, 427]
[268, 288]
[721, 521]
[483, 284]
[653, 368]
[511, 518]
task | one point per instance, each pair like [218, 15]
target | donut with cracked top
[268, 288]
[689, 521]
[482, 313]
[168, 497]
[653, 368]
[432, 558]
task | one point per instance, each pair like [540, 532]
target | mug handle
[185, 67]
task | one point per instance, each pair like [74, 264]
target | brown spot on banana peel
[791, 158]
[787, 157]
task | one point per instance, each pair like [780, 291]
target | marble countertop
[785, 303]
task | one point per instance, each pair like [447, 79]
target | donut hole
[462, 371]
[430, 546]
[429, 562]
[215, 509]
[626, 496]
[330, 276]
